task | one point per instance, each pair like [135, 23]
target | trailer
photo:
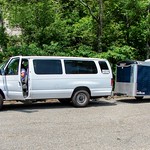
[133, 79]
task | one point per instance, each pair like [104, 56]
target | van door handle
[19, 83]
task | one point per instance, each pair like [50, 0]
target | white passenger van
[68, 79]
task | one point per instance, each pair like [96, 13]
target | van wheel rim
[81, 98]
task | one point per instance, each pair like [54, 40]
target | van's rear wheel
[1, 101]
[81, 98]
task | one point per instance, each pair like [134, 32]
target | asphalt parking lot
[115, 124]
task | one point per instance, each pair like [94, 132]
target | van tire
[80, 98]
[1, 101]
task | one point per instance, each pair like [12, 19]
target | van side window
[47, 66]
[80, 67]
[104, 67]
[12, 68]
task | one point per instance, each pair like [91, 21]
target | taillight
[112, 82]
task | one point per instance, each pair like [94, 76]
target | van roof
[59, 57]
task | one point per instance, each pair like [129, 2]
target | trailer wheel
[139, 98]
[1, 101]
[81, 98]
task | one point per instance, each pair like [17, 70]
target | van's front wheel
[80, 98]
[1, 101]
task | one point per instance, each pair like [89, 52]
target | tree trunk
[100, 26]
[99, 21]
[148, 36]
[2, 32]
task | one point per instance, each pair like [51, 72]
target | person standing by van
[23, 74]
[24, 78]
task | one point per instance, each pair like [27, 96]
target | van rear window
[80, 67]
[104, 67]
[47, 66]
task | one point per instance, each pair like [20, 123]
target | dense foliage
[112, 29]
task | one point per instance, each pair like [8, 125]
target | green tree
[79, 28]
[128, 25]
[3, 37]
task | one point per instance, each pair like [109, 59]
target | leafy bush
[116, 54]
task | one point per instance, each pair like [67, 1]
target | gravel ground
[115, 124]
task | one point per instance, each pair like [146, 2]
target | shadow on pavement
[102, 103]
[34, 107]
[134, 101]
